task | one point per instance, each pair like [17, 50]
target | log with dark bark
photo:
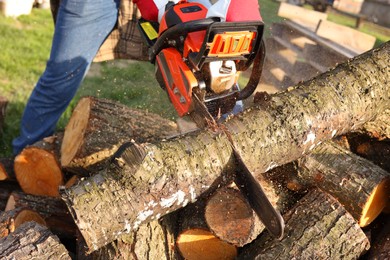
[98, 127]
[32, 241]
[317, 227]
[6, 188]
[360, 185]
[7, 169]
[12, 219]
[149, 181]
[379, 128]
[53, 211]
[37, 168]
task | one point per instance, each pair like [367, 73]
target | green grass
[25, 46]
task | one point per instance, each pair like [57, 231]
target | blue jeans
[81, 28]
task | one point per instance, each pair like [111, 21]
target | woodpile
[121, 183]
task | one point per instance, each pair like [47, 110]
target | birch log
[165, 176]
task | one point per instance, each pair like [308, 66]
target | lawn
[25, 46]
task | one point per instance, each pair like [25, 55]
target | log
[32, 241]
[6, 188]
[361, 187]
[379, 128]
[3, 107]
[53, 211]
[152, 180]
[98, 127]
[381, 241]
[13, 219]
[317, 227]
[7, 169]
[194, 240]
[230, 217]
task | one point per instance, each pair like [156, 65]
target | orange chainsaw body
[195, 53]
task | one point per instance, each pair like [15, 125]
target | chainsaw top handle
[178, 31]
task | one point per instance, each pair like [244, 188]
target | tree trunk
[318, 227]
[11, 220]
[154, 179]
[361, 187]
[32, 241]
[37, 168]
[53, 210]
[98, 127]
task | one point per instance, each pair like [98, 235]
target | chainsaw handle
[175, 32]
[255, 74]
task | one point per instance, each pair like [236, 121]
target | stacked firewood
[121, 183]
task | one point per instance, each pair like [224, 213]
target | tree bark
[361, 187]
[53, 211]
[379, 128]
[318, 227]
[13, 219]
[98, 127]
[32, 241]
[165, 176]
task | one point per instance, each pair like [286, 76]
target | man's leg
[81, 28]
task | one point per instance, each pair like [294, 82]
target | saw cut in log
[38, 171]
[32, 241]
[7, 169]
[98, 127]
[317, 227]
[171, 173]
[362, 187]
[11, 220]
[52, 210]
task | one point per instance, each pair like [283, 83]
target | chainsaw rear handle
[257, 69]
[176, 32]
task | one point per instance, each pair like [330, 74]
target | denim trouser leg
[81, 28]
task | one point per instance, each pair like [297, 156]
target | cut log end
[375, 203]
[202, 244]
[27, 215]
[227, 211]
[38, 172]
[73, 139]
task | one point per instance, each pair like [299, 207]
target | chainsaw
[198, 61]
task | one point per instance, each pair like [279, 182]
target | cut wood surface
[98, 127]
[317, 227]
[12, 219]
[229, 216]
[148, 181]
[346, 36]
[32, 241]
[52, 210]
[196, 244]
[305, 17]
[361, 186]
[38, 171]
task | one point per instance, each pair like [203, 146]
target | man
[81, 27]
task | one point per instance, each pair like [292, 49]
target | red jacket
[229, 10]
